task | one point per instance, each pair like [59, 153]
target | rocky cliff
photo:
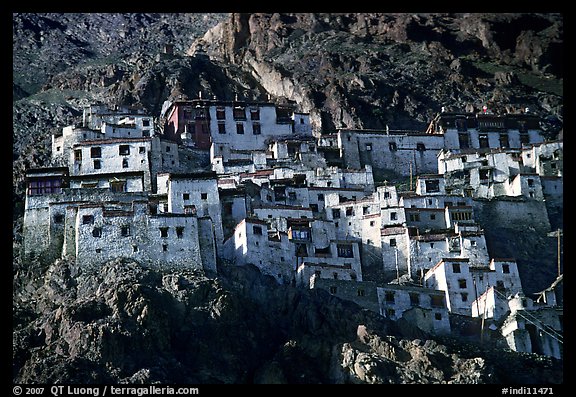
[369, 70]
[129, 324]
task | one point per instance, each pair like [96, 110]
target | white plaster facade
[194, 193]
[463, 284]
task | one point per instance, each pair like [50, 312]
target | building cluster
[305, 208]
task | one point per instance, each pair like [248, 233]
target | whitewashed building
[463, 283]
[243, 125]
[193, 193]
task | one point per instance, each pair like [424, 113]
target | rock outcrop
[369, 70]
[130, 324]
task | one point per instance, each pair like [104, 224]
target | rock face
[369, 70]
[129, 324]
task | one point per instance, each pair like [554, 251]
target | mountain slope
[369, 70]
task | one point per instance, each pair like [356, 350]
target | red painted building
[189, 118]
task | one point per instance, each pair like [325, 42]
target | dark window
[88, 219]
[530, 182]
[145, 123]
[167, 148]
[97, 232]
[254, 114]
[163, 232]
[314, 207]
[461, 283]
[414, 217]
[389, 296]
[386, 195]
[455, 268]
[96, 152]
[186, 196]
[369, 147]
[335, 213]
[239, 128]
[504, 141]
[392, 242]
[58, 218]
[372, 223]
[179, 231]
[436, 301]
[464, 141]
[125, 231]
[47, 186]
[505, 268]
[390, 313]
[345, 251]
[256, 129]
[420, 147]
[97, 164]
[393, 147]
[432, 217]
[124, 150]
[301, 250]
[464, 296]
[483, 141]
[320, 197]
[220, 114]
[414, 299]
[221, 128]
[164, 247]
[144, 132]
[124, 163]
[393, 216]
[239, 114]
[257, 230]
[78, 155]
[360, 292]
[349, 211]
[524, 138]
[292, 195]
[437, 316]
[118, 186]
[432, 186]
[142, 149]
[461, 125]
[365, 210]
[500, 285]
[204, 196]
[134, 248]
[332, 290]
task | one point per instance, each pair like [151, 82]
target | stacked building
[305, 209]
